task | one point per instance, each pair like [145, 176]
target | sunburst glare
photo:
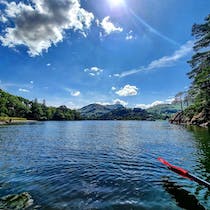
[116, 3]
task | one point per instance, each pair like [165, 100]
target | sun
[116, 3]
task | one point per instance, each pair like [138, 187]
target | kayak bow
[184, 173]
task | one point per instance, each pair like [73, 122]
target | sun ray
[116, 3]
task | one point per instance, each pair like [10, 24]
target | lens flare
[116, 3]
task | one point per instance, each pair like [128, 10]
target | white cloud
[155, 103]
[3, 19]
[114, 88]
[103, 103]
[127, 90]
[42, 23]
[146, 106]
[115, 101]
[75, 93]
[130, 36]
[109, 27]
[118, 101]
[168, 60]
[48, 64]
[165, 61]
[23, 90]
[93, 71]
[170, 100]
[32, 82]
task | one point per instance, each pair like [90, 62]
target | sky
[74, 53]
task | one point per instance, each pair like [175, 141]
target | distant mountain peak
[97, 110]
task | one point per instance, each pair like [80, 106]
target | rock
[178, 118]
[16, 202]
[199, 119]
[205, 125]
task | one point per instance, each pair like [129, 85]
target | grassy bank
[11, 120]
[6, 119]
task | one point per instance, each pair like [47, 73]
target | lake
[105, 164]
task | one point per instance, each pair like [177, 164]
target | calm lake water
[105, 164]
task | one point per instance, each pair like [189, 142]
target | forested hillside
[15, 106]
[116, 112]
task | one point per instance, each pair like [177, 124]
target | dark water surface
[105, 164]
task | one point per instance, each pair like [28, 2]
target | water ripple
[103, 165]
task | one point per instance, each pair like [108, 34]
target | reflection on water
[202, 138]
[183, 198]
[103, 164]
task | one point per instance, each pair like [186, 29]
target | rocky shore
[201, 119]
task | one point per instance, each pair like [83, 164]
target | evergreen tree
[200, 63]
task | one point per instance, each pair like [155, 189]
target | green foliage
[14, 106]
[199, 93]
[118, 113]
[200, 63]
[95, 111]
[164, 110]
[12, 118]
[128, 114]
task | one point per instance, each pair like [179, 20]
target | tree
[200, 63]
[179, 99]
[15, 106]
[36, 111]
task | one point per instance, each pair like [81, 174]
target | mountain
[93, 111]
[128, 114]
[164, 110]
[114, 112]
[14, 106]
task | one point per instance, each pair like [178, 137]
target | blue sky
[75, 52]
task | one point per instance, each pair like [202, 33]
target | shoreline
[2, 122]
[199, 120]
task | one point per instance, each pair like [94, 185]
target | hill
[128, 114]
[95, 111]
[15, 106]
[115, 112]
[164, 110]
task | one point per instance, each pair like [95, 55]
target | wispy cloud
[23, 90]
[165, 61]
[130, 35]
[93, 71]
[73, 93]
[20, 87]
